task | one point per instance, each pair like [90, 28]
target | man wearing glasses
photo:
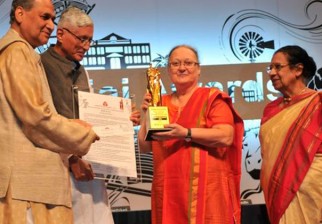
[65, 74]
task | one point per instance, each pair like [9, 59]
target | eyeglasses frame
[82, 40]
[186, 64]
[277, 67]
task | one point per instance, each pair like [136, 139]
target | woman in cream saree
[291, 135]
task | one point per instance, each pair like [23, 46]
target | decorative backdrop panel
[239, 37]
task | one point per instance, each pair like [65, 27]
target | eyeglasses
[186, 64]
[277, 67]
[81, 39]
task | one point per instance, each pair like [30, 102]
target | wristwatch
[188, 137]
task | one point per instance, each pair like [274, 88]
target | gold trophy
[157, 115]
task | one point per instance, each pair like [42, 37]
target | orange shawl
[192, 183]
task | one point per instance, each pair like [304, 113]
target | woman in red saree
[197, 169]
[291, 135]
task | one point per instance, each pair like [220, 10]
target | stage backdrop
[233, 35]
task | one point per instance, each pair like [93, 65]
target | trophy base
[152, 131]
[157, 117]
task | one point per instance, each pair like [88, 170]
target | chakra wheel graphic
[252, 45]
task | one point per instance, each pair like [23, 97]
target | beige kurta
[33, 136]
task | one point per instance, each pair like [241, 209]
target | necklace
[287, 100]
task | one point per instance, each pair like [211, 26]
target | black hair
[26, 4]
[297, 55]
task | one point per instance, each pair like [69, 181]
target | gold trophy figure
[154, 86]
[157, 115]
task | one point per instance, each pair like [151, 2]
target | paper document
[114, 153]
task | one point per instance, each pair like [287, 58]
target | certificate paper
[114, 153]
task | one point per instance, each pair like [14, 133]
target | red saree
[302, 141]
[193, 184]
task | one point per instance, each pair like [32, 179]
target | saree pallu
[290, 139]
[193, 184]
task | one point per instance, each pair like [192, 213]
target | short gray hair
[26, 4]
[74, 17]
[194, 50]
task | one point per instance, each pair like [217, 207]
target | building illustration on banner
[116, 52]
